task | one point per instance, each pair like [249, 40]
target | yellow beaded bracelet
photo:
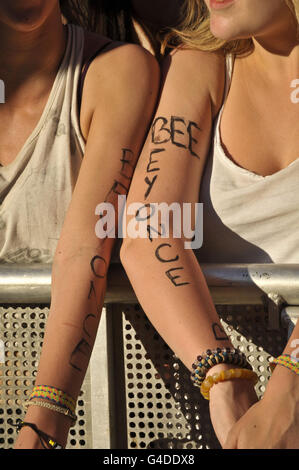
[223, 376]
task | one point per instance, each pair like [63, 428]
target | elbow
[127, 253]
[135, 254]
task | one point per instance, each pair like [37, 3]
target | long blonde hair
[194, 30]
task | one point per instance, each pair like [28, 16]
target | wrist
[283, 381]
[233, 387]
[50, 422]
[27, 439]
[220, 367]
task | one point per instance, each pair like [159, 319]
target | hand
[229, 401]
[273, 422]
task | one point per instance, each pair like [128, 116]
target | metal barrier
[136, 393]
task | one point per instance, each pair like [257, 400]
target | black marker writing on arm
[168, 129]
[162, 133]
[99, 265]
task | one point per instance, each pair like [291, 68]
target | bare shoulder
[121, 67]
[123, 75]
[198, 74]
[95, 42]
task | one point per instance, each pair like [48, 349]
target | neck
[27, 55]
[277, 50]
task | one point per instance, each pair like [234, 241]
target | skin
[273, 422]
[33, 42]
[255, 97]
[262, 75]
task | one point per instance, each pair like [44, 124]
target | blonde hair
[194, 30]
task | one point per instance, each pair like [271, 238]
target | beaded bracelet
[288, 361]
[59, 409]
[217, 356]
[224, 375]
[53, 395]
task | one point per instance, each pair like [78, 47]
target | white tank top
[247, 218]
[36, 188]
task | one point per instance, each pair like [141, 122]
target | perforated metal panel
[136, 394]
[163, 408]
[22, 332]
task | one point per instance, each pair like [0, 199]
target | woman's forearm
[78, 290]
[177, 301]
[284, 380]
[175, 297]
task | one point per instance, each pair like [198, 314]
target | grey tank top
[36, 188]
[247, 218]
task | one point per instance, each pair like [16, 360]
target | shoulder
[198, 74]
[121, 65]
[123, 75]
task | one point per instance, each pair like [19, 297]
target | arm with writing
[166, 277]
[116, 113]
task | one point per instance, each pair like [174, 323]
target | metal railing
[229, 283]
[274, 285]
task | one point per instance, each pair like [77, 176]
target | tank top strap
[229, 61]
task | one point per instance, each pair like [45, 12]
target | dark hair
[111, 18]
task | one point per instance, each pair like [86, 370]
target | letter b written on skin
[176, 130]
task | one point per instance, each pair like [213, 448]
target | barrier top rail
[228, 283]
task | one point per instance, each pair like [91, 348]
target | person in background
[133, 21]
[78, 106]
[225, 133]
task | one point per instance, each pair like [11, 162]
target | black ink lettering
[83, 348]
[150, 184]
[160, 126]
[138, 218]
[156, 134]
[173, 278]
[163, 260]
[148, 169]
[116, 188]
[219, 332]
[126, 160]
[149, 229]
[90, 315]
[92, 290]
[191, 138]
[174, 130]
[101, 261]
